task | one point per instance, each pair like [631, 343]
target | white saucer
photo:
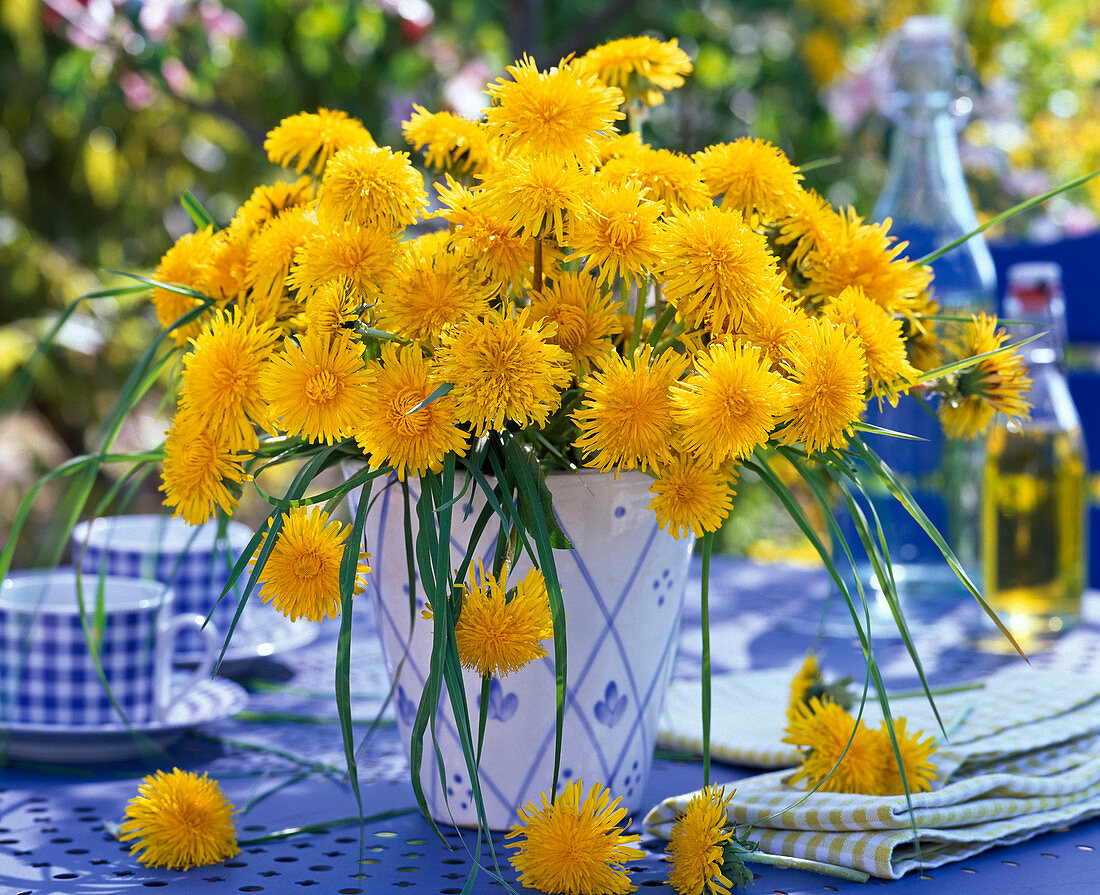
[259, 634]
[203, 703]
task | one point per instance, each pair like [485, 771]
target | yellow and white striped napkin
[1019, 763]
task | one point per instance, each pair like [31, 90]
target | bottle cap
[1035, 284]
[924, 62]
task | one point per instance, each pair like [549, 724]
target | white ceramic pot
[623, 587]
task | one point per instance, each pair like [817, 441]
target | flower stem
[536, 279]
[790, 863]
[639, 315]
[708, 543]
[661, 325]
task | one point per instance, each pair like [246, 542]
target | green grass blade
[440, 391]
[275, 523]
[528, 490]
[349, 575]
[826, 162]
[902, 495]
[884, 573]
[708, 546]
[178, 288]
[872, 429]
[967, 362]
[433, 685]
[1010, 213]
[200, 217]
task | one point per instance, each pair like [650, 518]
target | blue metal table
[54, 822]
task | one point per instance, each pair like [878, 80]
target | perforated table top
[55, 822]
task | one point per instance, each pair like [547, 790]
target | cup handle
[166, 637]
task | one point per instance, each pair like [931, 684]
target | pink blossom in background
[464, 93]
[852, 99]
[221, 22]
[176, 75]
[137, 90]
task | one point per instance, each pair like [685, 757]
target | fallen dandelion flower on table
[574, 845]
[179, 820]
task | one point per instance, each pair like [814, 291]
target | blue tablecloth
[54, 835]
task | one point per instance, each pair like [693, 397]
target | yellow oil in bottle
[1033, 531]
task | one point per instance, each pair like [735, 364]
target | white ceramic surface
[204, 703]
[623, 587]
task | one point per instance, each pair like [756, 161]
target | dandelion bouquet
[565, 296]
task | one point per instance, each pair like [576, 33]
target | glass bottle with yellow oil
[1035, 494]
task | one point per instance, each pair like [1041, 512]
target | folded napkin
[1019, 763]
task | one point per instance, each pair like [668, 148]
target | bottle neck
[925, 183]
[926, 198]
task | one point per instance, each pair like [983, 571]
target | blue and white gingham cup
[195, 561]
[47, 673]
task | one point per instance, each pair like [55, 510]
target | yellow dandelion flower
[221, 377]
[489, 243]
[691, 496]
[851, 253]
[365, 256]
[224, 277]
[560, 112]
[536, 195]
[880, 334]
[301, 577]
[333, 310]
[586, 319]
[774, 326]
[808, 677]
[429, 293]
[615, 145]
[450, 143]
[184, 264]
[916, 754]
[625, 420]
[840, 754]
[574, 845]
[271, 255]
[269, 200]
[617, 233]
[412, 443]
[751, 176]
[714, 268]
[997, 384]
[495, 635]
[669, 177]
[427, 245]
[180, 820]
[201, 473]
[729, 407]
[810, 217]
[643, 68]
[829, 375]
[370, 186]
[318, 388]
[696, 846]
[313, 138]
[503, 370]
